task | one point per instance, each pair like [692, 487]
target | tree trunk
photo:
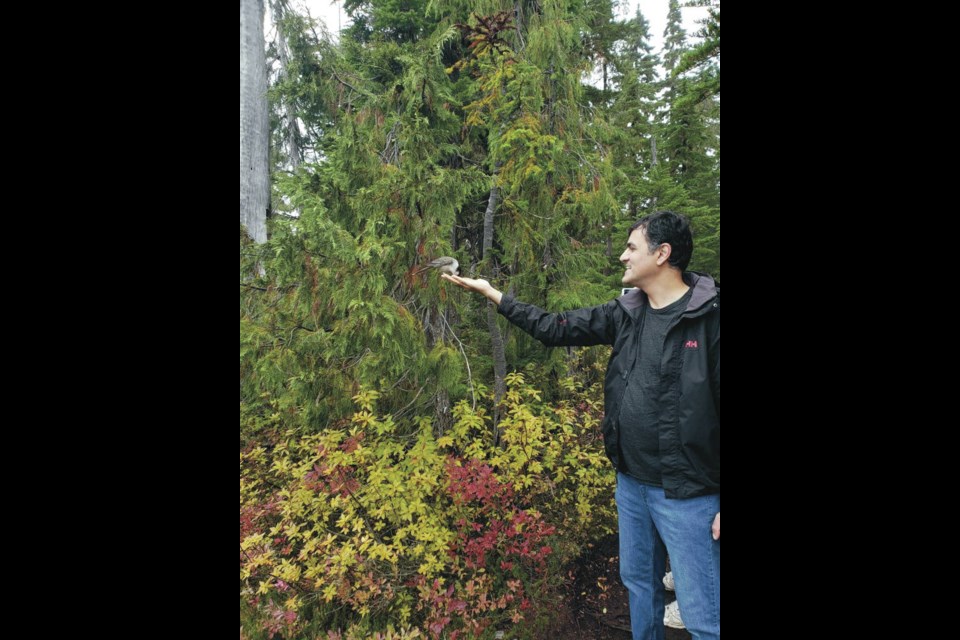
[254, 122]
[496, 340]
[609, 251]
[653, 163]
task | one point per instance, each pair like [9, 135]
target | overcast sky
[655, 11]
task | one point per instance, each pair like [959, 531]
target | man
[661, 427]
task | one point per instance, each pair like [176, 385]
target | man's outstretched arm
[576, 328]
[480, 286]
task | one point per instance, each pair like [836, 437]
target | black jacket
[690, 387]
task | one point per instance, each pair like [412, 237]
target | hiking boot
[671, 616]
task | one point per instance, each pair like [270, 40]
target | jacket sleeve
[577, 328]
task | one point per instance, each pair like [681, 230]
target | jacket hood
[705, 288]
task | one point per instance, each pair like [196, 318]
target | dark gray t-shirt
[640, 410]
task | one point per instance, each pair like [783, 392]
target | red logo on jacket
[690, 344]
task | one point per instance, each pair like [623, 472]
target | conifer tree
[633, 117]
[691, 144]
[436, 140]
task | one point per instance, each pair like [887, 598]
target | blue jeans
[651, 525]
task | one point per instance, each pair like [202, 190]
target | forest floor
[596, 603]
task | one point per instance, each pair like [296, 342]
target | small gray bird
[445, 264]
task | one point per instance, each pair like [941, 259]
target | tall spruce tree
[633, 117]
[375, 208]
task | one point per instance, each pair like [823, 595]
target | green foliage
[705, 57]
[397, 20]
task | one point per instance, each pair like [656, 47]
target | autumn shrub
[377, 529]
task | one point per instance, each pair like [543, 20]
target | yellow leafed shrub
[377, 529]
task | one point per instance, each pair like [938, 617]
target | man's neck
[665, 291]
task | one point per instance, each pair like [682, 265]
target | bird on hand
[445, 264]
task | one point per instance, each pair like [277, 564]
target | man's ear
[663, 254]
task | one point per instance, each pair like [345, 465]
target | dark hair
[667, 227]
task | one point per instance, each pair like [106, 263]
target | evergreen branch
[286, 288]
[350, 86]
[395, 384]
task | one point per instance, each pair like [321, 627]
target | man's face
[638, 260]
